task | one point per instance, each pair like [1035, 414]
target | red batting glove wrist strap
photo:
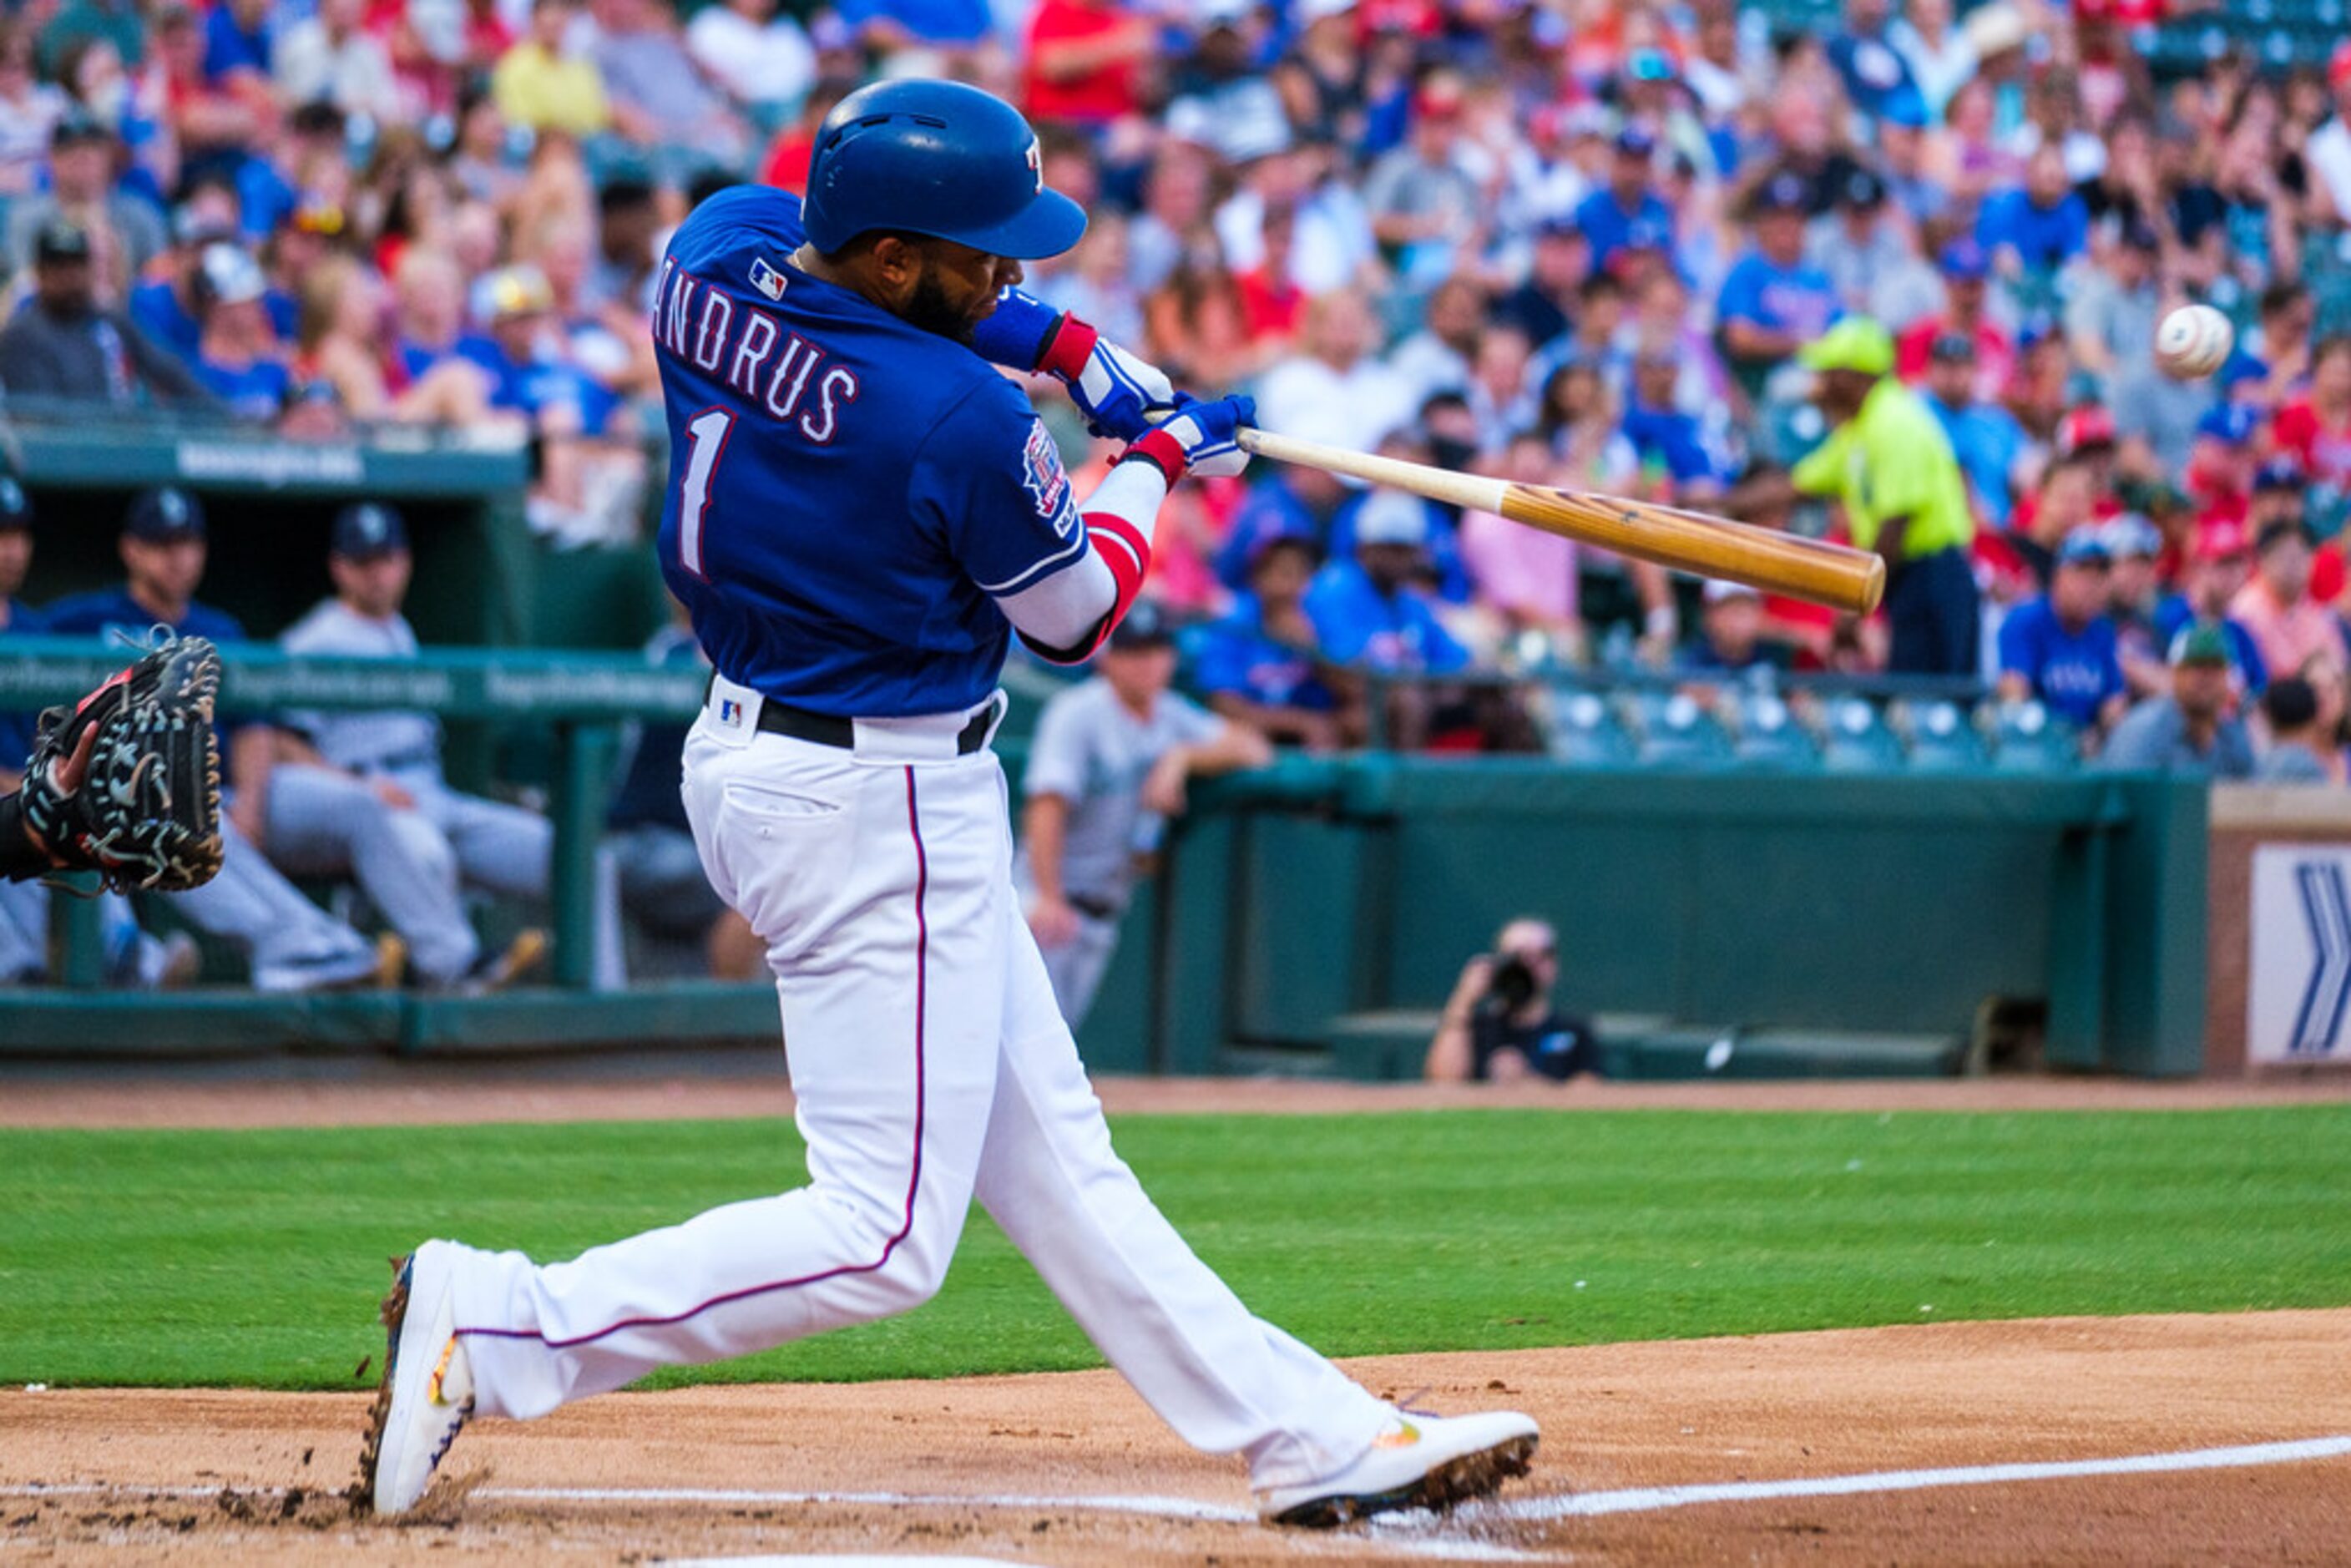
[1067, 346]
[1161, 451]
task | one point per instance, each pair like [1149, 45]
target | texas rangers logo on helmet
[1036, 164]
[1045, 481]
[766, 278]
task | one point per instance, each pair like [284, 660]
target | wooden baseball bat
[1766, 558]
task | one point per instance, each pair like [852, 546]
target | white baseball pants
[932, 1066]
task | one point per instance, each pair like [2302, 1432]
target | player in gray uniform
[380, 803]
[293, 944]
[1106, 769]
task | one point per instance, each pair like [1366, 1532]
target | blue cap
[164, 517]
[1636, 142]
[2283, 472]
[2085, 547]
[1145, 625]
[15, 507]
[366, 529]
[2231, 423]
[1965, 259]
[2133, 537]
[935, 158]
[1650, 65]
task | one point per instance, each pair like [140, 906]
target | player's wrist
[1069, 344]
[1161, 451]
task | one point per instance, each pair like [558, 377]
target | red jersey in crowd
[1995, 355]
[1100, 95]
[2325, 455]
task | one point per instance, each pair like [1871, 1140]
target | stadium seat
[2029, 739]
[1585, 733]
[1857, 740]
[1684, 734]
[1769, 737]
[1943, 738]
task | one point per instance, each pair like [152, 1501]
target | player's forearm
[1237, 747]
[1042, 822]
[1066, 616]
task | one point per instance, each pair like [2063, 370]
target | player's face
[169, 572]
[950, 288]
[16, 560]
[373, 585]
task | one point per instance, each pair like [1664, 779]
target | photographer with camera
[1501, 1024]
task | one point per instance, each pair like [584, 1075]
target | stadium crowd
[1894, 276]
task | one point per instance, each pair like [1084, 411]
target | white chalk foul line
[1158, 1507]
[1642, 1500]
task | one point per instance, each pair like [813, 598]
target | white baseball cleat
[1416, 1461]
[427, 1392]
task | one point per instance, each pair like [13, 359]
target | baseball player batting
[861, 513]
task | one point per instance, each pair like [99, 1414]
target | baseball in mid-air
[2193, 340]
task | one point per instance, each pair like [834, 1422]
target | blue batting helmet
[935, 158]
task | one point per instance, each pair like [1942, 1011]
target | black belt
[826, 729]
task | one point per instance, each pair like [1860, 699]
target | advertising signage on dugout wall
[2298, 995]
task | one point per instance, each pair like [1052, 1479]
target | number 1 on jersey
[706, 440]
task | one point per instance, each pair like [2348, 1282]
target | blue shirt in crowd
[255, 392]
[1797, 299]
[2044, 238]
[2073, 673]
[229, 48]
[1237, 656]
[1609, 228]
[2175, 614]
[1987, 439]
[156, 309]
[1670, 439]
[1394, 635]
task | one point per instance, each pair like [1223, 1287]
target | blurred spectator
[1542, 306]
[239, 37]
[236, 352]
[1436, 358]
[1086, 61]
[2224, 464]
[2110, 317]
[2038, 226]
[332, 56]
[1875, 71]
[2220, 561]
[1670, 447]
[62, 345]
[165, 308]
[2315, 427]
[1107, 765]
[2299, 752]
[1263, 664]
[2329, 151]
[663, 885]
[1939, 55]
[1289, 500]
[2288, 626]
[1332, 384]
[540, 85]
[1773, 302]
[1222, 97]
[1627, 215]
[1887, 460]
[657, 97]
[82, 193]
[2191, 730]
[1425, 208]
[1966, 272]
[1867, 257]
[29, 111]
[1526, 579]
[1731, 634]
[1371, 612]
[763, 60]
[2136, 547]
[1992, 447]
[2060, 648]
[1503, 1024]
[77, 23]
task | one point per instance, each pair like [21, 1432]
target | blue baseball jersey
[849, 494]
[1797, 299]
[1237, 656]
[2075, 673]
[1358, 624]
[111, 610]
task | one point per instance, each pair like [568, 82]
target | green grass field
[256, 1258]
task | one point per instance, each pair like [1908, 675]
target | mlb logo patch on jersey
[730, 713]
[766, 279]
[1047, 481]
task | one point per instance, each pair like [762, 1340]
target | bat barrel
[1765, 559]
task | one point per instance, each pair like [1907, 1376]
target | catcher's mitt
[147, 815]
